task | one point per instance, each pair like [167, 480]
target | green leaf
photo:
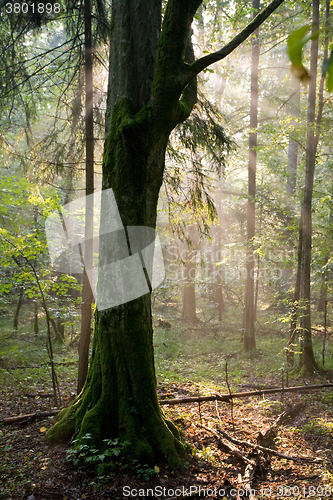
[100, 469]
[296, 41]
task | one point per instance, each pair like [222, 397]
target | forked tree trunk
[151, 91]
[293, 324]
[119, 397]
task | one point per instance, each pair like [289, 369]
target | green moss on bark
[119, 398]
[64, 428]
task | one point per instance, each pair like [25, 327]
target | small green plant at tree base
[84, 454]
[204, 454]
[143, 471]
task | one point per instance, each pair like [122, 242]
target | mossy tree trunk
[151, 90]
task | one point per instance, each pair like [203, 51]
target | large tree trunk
[119, 397]
[249, 341]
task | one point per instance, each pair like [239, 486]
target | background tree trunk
[293, 144]
[249, 341]
[36, 317]
[189, 303]
[87, 295]
[307, 357]
[18, 308]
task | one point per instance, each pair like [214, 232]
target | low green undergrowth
[112, 457]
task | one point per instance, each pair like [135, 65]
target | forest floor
[31, 469]
[191, 360]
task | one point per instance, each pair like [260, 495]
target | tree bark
[249, 341]
[87, 295]
[36, 329]
[18, 308]
[307, 360]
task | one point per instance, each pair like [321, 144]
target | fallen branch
[48, 363]
[216, 397]
[29, 417]
[267, 450]
[227, 397]
[247, 481]
[232, 449]
[268, 434]
[250, 464]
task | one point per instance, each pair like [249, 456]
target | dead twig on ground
[250, 468]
